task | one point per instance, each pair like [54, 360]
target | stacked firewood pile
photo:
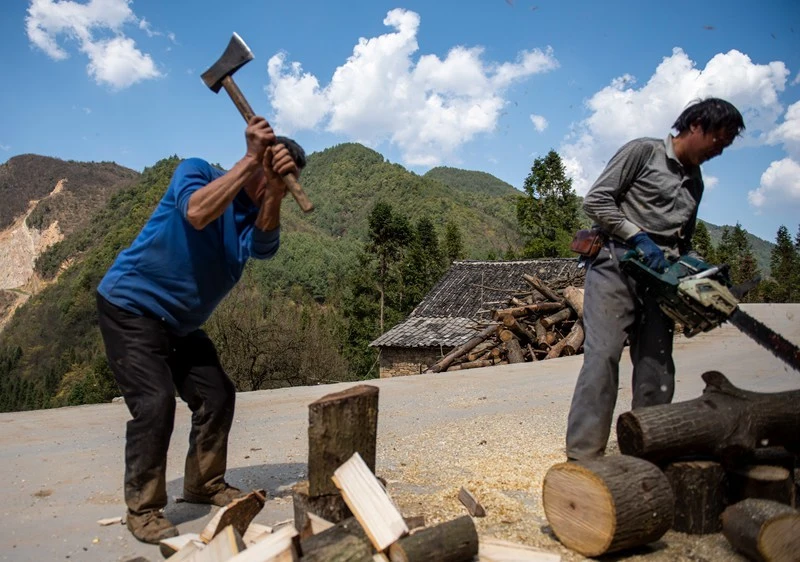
[726, 461]
[543, 323]
[343, 511]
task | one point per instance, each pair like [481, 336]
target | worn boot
[221, 494]
[151, 526]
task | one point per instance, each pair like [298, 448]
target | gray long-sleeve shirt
[645, 187]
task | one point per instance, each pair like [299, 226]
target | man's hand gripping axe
[220, 75]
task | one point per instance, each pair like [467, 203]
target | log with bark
[726, 423]
[452, 541]
[574, 298]
[763, 530]
[764, 482]
[540, 286]
[444, 363]
[700, 489]
[607, 504]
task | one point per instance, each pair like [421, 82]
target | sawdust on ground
[502, 460]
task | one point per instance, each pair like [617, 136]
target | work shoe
[222, 494]
[151, 526]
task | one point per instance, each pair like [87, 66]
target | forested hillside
[379, 238]
[293, 309]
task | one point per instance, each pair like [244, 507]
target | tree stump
[726, 422]
[763, 530]
[762, 482]
[339, 425]
[330, 506]
[700, 489]
[607, 504]
[452, 541]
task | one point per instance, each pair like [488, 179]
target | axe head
[236, 55]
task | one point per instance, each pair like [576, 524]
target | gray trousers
[613, 312]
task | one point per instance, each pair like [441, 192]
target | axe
[220, 75]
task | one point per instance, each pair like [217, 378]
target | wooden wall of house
[403, 361]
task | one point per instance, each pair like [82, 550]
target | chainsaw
[701, 296]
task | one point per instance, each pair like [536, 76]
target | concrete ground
[494, 430]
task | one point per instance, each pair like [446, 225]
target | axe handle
[247, 112]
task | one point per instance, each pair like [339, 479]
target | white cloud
[5, 147]
[780, 185]
[539, 122]
[428, 109]
[621, 111]
[788, 132]
[96, 26]
[710, 182]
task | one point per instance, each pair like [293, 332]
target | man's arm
[210, 201]
[277, 163]
[602, 202]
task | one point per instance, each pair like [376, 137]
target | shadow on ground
[276, 479]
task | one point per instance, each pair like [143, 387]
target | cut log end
[582, 521]
[608, 504]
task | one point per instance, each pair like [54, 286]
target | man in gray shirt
[647, 199]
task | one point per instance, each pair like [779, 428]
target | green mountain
[471, 181]
[761, 248]
[64, 364]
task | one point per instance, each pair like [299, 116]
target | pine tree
[548, 214]
[389, 234]
[423, 266]
[453, 244]
[701, 242]
[784, 263]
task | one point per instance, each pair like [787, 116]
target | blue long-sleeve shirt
[178, 274]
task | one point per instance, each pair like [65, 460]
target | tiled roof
[421, 331]
[465, 294]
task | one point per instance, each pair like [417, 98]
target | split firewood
[170, 546]
[370, 503]
[763, 530]
[607, 504]
[225, 546]
[528, 309]
[495, 550]
[514, 352]
[452, 541]
[539, 285]
[186, 552]
[560, 316]
[340, 424]
[280, 546]
[700, 495]
[256, 533]
[314, 525]
[574, 298]
[762, 482]
[725, 422]
[239, 513]
[442, 364]
[109, 521]
[473, 506]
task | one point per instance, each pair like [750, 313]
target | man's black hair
[295, 150]
[712, 114]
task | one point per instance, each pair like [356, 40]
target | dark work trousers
[612, 313]
[149, 363]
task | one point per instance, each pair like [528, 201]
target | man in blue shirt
[157, 294]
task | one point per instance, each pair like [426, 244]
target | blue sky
[478, 84]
